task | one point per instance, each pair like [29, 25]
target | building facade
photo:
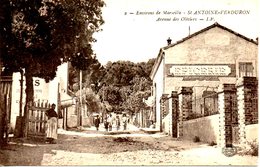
[54, 91]
[202, 61]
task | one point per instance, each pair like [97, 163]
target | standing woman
[52, 125]
[97, 122]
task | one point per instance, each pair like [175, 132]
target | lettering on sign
[201, 70]
[37, 82]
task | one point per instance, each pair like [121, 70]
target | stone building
[56, 91]
[197, 65]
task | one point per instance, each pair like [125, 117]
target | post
[227, 113]
[162, 109]
[103, 99]
[175, 108]
[65, 118]
[247, 98]
[185, 107]
[80, 98]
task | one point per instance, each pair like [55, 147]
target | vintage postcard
[129, 82]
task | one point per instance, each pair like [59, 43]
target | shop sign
[201, 70]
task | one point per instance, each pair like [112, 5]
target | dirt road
[97, 148]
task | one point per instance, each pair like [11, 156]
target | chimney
[169, 41]
[257, 40]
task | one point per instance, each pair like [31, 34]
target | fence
[5, 106]
[37, 119]
[204, 105]
[234, 110]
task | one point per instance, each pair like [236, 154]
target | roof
[159, 57]
[210, 27]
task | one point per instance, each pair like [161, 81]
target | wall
[158, 79]
[41, 91]
[206, 128]
[211, 46]
[166, 124]
[214, 46]
[251, 132]
[72, 118]
[72, 121]
[62, 75]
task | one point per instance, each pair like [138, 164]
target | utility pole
[103, 94]
[80, 98]
[21, 94]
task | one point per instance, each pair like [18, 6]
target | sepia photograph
[129, 82]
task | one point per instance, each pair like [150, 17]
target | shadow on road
[27, 152]
[22, 153]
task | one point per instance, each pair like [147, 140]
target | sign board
[189, 70]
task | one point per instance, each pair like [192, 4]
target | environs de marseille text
[195, 12]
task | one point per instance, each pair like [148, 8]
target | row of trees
[36, 36]
[120, 86]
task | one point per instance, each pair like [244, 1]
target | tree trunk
[1, 120]
[29, 98]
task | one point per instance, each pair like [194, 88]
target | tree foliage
[125, 84]
[91, 75]
[39, 35]
[91, 99]
[44, 33]
[122, 84]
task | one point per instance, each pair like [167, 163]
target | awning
[66, 100]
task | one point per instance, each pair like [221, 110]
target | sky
[131, 30]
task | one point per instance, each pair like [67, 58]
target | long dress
[52, 128]
[109, 120]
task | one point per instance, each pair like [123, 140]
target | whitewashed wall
[42, 90]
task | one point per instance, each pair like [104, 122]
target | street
[135, 147]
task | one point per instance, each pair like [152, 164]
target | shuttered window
[246, 69]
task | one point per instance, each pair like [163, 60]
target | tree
[92, 76]
[42, 34]
[147, 66]
[141, 90]
[126, 84]
[92, 100]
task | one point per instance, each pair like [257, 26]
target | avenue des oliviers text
[190, 15]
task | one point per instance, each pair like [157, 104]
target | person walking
[52, 125]
[106, 124]
[110, 120]
[124, 119]
[97, 122]
[117, 123]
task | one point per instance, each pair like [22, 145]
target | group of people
[110, 121]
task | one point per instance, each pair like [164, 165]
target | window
[246, 69]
